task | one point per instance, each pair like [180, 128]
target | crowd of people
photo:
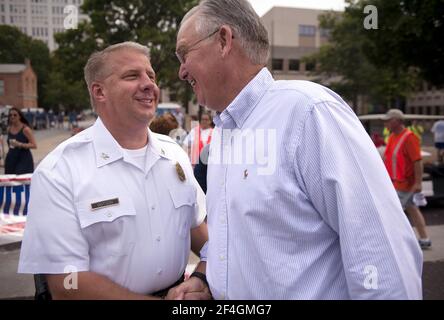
[118, 207]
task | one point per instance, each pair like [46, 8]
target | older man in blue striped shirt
[300, 205]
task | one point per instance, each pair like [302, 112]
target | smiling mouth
[146, 101]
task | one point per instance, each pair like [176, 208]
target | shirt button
[109, 214]
[158, 238]
[153, 207]
[221, 257]
[159, 271]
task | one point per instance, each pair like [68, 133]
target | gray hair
[96, 67]
[241, 17]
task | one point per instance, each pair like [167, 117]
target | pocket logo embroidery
[180, 172]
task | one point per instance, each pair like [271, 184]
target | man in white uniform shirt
[315, 215]
[116, 204]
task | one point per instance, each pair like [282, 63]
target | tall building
[293, 33]
[41, 19]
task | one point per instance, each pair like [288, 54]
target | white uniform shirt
[141, 243]
[313, 215]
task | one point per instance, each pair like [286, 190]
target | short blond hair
[96, 67]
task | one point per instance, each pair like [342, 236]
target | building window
[293, 65]
[310, 66]
[307, 31]
[325, 33]
[277, 64]
[2, 87]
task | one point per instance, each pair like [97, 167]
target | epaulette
[164, 138]
[76, 141]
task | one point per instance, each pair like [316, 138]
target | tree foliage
[384, 64]
[410, 34]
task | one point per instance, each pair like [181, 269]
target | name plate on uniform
[104, 203]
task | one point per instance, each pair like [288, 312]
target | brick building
[18, 85]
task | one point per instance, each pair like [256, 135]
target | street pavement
[19, 286]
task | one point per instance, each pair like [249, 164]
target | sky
[262, 6]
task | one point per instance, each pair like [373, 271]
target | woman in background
[20, 140]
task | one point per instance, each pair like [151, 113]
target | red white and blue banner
[14, 198]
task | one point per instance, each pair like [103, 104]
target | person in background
[417, 129]
[20, 141]
[386, 134]
[199, 137]
[438, 131]
[164, 124]
[314, 215]
[403, 161]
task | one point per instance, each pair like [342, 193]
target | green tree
[410, 34]
[345, 66]
[15, 46]
[66, 87]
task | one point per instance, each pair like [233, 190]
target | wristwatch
[201, 276]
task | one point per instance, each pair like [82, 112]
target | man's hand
[192, 289]
[417, 187]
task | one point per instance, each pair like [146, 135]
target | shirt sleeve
[53, 242]
[345, 179]
[413, 148]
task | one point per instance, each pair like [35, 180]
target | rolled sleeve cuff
[203, 252]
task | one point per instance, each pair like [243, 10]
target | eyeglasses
[183, 51]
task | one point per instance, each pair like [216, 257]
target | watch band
[201, 276]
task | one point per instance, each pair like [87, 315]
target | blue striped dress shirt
[300, 205]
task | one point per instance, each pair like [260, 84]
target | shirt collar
[241, 107]
[155, 145]
[108, 150]
[105, 146]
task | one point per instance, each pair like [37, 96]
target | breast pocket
[111, 228]
[184, 202]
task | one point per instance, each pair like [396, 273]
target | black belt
[164, 292]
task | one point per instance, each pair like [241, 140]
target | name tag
[104, 203]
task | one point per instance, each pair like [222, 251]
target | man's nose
[147, 83]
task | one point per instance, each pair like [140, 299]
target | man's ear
[97, 92]
[226, 39]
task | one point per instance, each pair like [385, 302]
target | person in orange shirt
[403, 161]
